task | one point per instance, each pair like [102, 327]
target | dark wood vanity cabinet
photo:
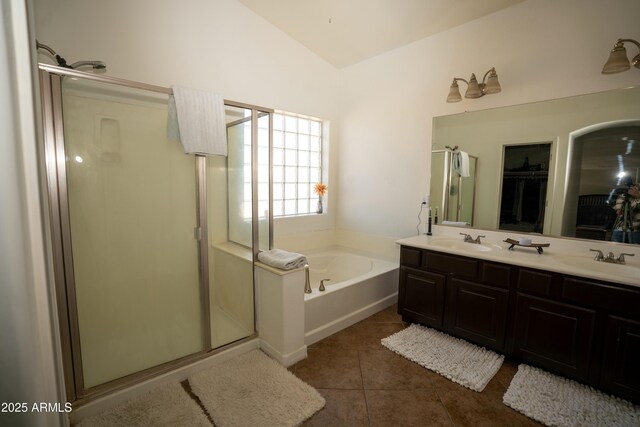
[421, 296]
[576, 327]
[476, 309]
[621, 362]
[554, 335]
[476, 312]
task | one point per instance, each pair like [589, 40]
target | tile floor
[366, 384]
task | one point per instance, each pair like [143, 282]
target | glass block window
[297, 164]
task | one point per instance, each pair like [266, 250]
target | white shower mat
[557, 401]
[461, 362]
[168, 405]
[255, 390]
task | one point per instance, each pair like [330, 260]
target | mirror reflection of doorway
[604, 165]
[524, 187]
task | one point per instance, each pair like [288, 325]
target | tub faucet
[322, 288]
[307, 283]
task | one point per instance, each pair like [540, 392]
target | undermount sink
[464, 246]
[588, 263]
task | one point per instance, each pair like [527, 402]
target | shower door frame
[50, 79]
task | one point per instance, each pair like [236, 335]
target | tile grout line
[364, 393]
[435, 390]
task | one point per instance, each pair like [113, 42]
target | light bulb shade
[473, 90]
[454, 93]
[618, 61]
[492, 86]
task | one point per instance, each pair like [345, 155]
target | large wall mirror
[593, 144]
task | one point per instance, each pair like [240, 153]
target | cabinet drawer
[460, 266]
[609, 297]
[411, 257]
[495, 274]
[534, 282]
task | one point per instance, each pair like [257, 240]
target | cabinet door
[421, 296]
[621, 367]
[554, 335]
[477, 312]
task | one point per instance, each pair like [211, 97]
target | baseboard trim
[285, 360]
[348, 320]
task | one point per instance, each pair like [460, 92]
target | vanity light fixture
[475, 89]
[618, 61]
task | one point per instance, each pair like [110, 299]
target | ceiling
[344, 32]
[612, 149]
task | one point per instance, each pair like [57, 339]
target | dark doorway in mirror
[595, 217]
[525, 176]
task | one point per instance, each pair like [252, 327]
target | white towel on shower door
[201, 125]
[464, 164]
[460, 163]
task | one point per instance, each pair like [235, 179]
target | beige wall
[541, 49]
[30, 363]
[217, 45]
[381, 109]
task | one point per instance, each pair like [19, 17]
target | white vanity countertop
[569, 256]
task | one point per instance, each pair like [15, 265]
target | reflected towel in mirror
[460, 163]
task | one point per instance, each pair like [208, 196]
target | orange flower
[320, 189]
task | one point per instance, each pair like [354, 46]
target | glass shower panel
[239, 175]
[264, 120]
[467, 193]
[132, 210]
[453, 196]
[229, 217]
[436, 193]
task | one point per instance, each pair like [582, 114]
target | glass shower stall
[153, 249]
[450, 193]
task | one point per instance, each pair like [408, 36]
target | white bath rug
[168, 405]
[254, 390]
[453, 358]
[557, 401]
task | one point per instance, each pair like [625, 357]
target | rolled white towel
[281, 259]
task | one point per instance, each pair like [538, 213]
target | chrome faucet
[599, 255]
[322, 288]
[469, 239]
[610, 258]
[307, 282]
[621, 259]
